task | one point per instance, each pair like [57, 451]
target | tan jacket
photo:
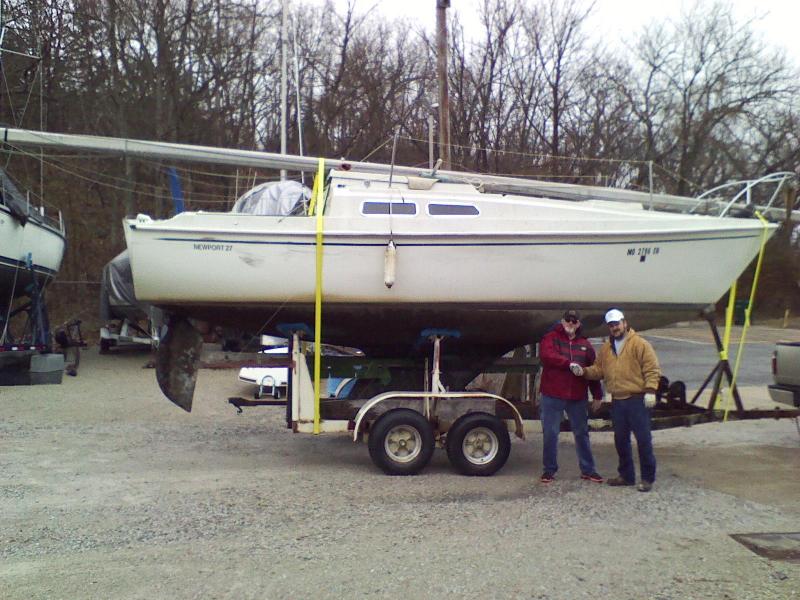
[635, 371]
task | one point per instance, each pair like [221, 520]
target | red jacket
[556, 352]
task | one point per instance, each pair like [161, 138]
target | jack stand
[436, 336]
[37, 328]
[722, 367]
[293, 333]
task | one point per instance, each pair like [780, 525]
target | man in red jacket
[564, 392]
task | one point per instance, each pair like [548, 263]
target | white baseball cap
[614, 315]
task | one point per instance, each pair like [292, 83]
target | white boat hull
[525, 270]
[43, 244]
[499, 290]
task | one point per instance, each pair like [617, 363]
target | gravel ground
[108, 491]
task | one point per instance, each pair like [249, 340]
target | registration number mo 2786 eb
[643, 251]
[212, 247]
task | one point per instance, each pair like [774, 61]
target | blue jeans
[628, 416]
[552, 410]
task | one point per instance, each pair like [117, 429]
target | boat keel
[177, 361]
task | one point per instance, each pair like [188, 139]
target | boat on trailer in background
[127, 322]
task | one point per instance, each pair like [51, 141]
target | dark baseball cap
[572, 313]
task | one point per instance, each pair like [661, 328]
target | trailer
[403, 427]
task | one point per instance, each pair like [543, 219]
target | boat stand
[722, 367]
[37, 328]
[29, 360]
[127, 334]
[69, 339]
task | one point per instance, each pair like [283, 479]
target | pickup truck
[786, 371]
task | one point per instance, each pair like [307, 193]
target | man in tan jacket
[629, 367]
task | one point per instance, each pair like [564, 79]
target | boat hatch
[385, 208]
[452, 210]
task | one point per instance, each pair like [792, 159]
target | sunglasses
[612, 323]
[572, 320]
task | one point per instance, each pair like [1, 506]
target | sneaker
[619, 481]
[645, 486]
[594, 476]
[547, 477]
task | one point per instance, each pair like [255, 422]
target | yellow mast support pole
[317, 208]
[749, 308]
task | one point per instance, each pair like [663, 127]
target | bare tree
[704, 83]
[482, 103]
[558, 45]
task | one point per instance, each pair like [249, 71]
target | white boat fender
[389, 264]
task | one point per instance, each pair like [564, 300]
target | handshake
[576, 369]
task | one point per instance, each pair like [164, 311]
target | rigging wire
[8, 93]
[535, 154]
[154, 191]
[18, 120]
[11, 293]
[672, 174]
[383, 144]
[122, 184]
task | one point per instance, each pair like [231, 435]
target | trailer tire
[105, 345]
[401, 442]
[478, 444]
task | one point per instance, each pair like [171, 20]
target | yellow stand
[316, 208]
[729, 321]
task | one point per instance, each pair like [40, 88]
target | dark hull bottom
[15, 282]
[394, 331]
[126, 312]
[386, 331]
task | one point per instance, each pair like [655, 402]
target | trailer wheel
[105, 345]
[401, 442]
[478, 444]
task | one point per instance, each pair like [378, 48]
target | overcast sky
[777, 20]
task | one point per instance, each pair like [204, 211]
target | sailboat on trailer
[495, 258]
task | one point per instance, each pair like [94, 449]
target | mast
[284, 51]
[444, 96]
